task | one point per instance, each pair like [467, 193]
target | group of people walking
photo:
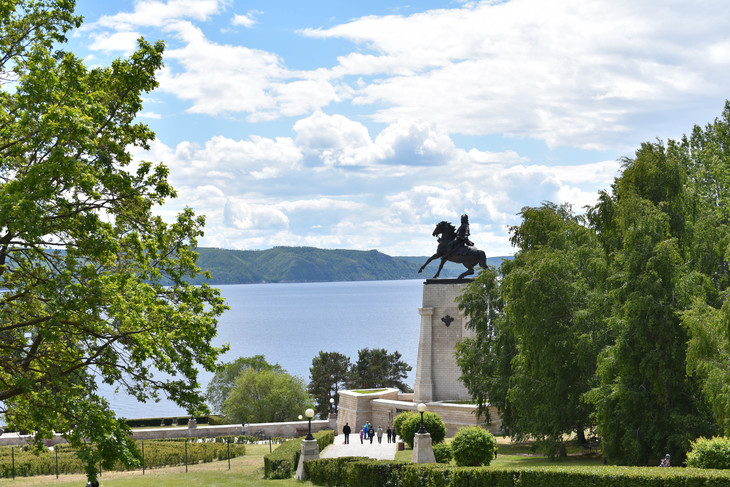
[368, 432]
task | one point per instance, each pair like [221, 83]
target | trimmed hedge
[329, 471]
[282, 462]
[354, 472]
[373, 473]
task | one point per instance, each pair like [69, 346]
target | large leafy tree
[377, 368]
[328, 374]
[555, 306]
[266, 396]
[225, 377]
[486, 360]
[706, 155]
[646, 404]
[95, 283]
[539, 328]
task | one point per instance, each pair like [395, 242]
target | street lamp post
[309, 413]
[332, 404]
[421, 409]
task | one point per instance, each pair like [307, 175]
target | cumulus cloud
[155, 13]
[244, 20]
[117, 41]
[243, 215]
[564, 71]
[313, 197]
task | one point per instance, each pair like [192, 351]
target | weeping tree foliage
[486, 361]
[646, 405]
[619, 321]
[555, 306]
[94, 283]
[706, 155]
[539, 328]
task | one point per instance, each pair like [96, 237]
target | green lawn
[521, 455]
[248, 471]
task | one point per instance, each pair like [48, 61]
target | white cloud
[118, 41]
[313, 197]
[562, 71]
[153, 13]
[149, 114]
[244, 20]
[243, 215]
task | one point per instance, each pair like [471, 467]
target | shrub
[709, 453]
[442, 452]
[473, 446]
[282, 462]
[411, 423]
[398, 421]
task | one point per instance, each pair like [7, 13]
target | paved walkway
[382, 451]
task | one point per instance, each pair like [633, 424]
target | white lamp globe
[309, 412]
[421, 407]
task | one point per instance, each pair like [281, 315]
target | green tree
[535, 357]
[266, 396]
[706, 157]
[222, 382]
[486, 360]
[328, 373]
[378, 368]
[95, 283]
[556, 307]
[646, 405]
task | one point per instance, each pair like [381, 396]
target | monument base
[422, 449]
[310, 451]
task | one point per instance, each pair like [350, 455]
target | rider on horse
[462, 236]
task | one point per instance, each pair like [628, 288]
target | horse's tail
[482, 259]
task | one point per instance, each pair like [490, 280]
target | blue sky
[360, 125]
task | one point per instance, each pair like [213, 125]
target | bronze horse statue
[469, 256]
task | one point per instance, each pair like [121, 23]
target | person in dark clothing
[388, 433]
[371, 434]
[346, 430]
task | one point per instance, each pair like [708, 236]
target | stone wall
[355, 408]
[289, 429]
[381, 408]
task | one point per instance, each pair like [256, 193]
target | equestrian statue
[454, 245]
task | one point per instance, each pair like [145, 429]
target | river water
[289, 323]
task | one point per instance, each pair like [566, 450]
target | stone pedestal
[442, 325]
[310, 451]
[422, 449]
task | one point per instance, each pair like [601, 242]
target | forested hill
[309, 264]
